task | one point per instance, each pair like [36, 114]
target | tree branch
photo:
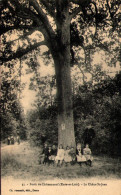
[27, 13]
[48, 8]
[23, 12]
[21, 52]
[43, 18]
[102, 46]
[109, 8]
[8, 28]
[84, 77]
[24, 36]
[76, 11]
[82, 2]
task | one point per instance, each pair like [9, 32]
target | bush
[44, 131]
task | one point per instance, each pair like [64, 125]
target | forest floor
[22, 162]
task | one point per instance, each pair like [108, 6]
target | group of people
[68, 155]
[11, 140]
[84, 155]
[48, 154]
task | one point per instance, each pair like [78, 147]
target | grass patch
[10, 164]
[23, 163]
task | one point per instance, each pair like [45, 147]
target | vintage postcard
[60, 97]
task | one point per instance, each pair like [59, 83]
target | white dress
[87, 154]
[67, 157]
[60, 155]
[80, 157]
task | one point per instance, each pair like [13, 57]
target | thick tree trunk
[61, 57]
[66, 135]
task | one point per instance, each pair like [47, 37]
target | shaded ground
[21, 162]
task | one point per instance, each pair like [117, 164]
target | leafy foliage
[11, 111]
[43, 125]
[97, 107]
[103, 113]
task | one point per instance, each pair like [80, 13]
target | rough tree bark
[61, 58]
[66, 135]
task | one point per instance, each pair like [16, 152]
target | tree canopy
[71, 32]
[91, 22]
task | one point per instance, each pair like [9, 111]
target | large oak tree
[62, 24]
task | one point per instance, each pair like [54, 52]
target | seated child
[79, 154]
[87, 153]
[53, 153]
[67, 156]
[60, 155]
[44, 155]
[49, 152]
[73, 155]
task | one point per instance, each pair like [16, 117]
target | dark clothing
[54, 152]
[43, 139]
[72, 154]
[44, 156]
[12, 140]
[88, 136]
[8, 141]
[45, 151]
[49, 153]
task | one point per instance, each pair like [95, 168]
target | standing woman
[18, 139]
[8, 141]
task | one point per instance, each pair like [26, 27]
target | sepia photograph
[60, 97]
